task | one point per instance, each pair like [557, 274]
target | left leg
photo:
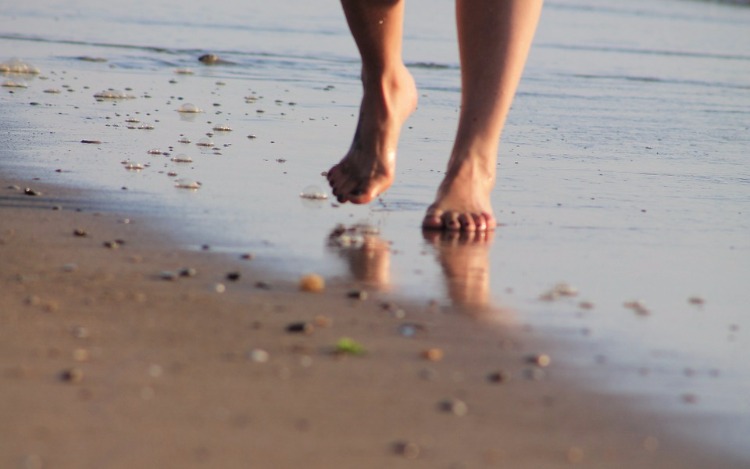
[494, 39]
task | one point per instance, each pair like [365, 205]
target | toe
[450, 221]
[480, 224]
[467, 222]
[489, 221]
[432, 220]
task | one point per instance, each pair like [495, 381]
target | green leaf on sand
[348, 346]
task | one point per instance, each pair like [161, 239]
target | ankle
[474, 165]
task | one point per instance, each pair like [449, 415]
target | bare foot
[463, 198]
[369, 167]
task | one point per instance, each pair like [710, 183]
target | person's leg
[494, 39]
[389, 97]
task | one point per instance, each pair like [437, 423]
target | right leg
[494, 39]
[389, 97]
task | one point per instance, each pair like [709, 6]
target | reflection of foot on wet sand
[464, 259]
[368, 255]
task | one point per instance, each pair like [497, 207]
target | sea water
[623, 167]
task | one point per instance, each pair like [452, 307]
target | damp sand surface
[622, 193]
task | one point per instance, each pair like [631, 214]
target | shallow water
[622, 168]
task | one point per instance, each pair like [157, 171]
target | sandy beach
[144, 324]
[109, 362]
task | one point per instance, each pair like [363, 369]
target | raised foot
[368, 168]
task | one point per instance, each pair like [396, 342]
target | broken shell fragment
[182, 158]
[14, 84]
[560, 290]
[113, 94]
[16, 65]
[132, 166]
[313, 193]
[638, 307]
[187, 184]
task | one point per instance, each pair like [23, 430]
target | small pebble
[407, 449]
[432, 354]
[220, 288]
[80, 332]
[168, 275]
[188, 272]
[72, 375]
[638, 307]
[541, 360]
[454, 406]
[262, 285]
[32, 192]
[313, 283]
[357, 295]
[95, 142]
[71, 267]
[410, 329]
[559, 290]
[233, 276]
[80, 232]
[81, 355]
[696, 300]
[300, 328]
[498, 377]
[322, 321]
[258, 355]
[247, 256]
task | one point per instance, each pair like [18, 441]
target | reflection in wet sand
[464, 260]
[368, 255]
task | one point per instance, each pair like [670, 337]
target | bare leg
[389, 97]
[494, 39]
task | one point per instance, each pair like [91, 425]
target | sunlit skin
[464, 259]
[494, 39]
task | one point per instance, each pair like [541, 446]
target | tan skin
[502, 30]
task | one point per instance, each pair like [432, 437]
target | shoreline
[110, 358]
[106, 364]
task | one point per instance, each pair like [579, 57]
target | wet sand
[105, 363]
[108, 361]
